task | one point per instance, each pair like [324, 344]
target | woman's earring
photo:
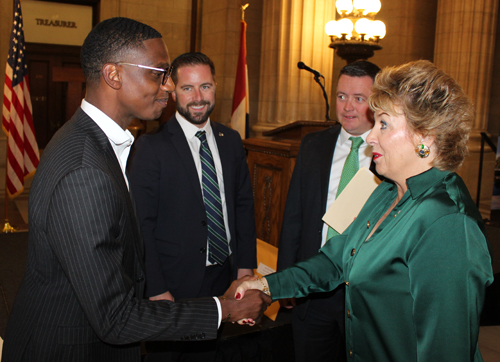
[422, 151]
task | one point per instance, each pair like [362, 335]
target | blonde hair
[433, 104]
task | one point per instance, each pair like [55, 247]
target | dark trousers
[319, 327]
[215, 283]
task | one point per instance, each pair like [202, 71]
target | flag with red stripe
[241, 111]
[17, 121]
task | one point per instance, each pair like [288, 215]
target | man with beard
[191, 183]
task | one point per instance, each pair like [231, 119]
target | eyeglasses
[166, 72]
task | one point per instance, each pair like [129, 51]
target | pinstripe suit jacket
[80, 299]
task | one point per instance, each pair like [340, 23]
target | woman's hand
[259, 284]
[243, 311]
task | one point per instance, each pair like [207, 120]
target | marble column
[293, 31]
[464, 48]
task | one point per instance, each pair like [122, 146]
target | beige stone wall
[410, 35]
[410, 31]
[465, 40]
[464, 48]
[253, 18]
[293, 31]
[172, 18]
[220, 31]
[494, 110]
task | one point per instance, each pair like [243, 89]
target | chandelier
[356, 34]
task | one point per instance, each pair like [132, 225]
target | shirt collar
[420, 183]
[190, 129]
[344, 137]
[111, 129]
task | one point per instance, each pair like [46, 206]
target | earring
[422, 151]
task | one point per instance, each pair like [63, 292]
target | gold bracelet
[265, 289]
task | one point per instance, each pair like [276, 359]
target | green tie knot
[356, 143]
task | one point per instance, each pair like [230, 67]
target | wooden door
[48, 97]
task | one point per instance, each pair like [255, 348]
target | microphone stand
[316, 78]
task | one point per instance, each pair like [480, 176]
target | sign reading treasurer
[56, 23]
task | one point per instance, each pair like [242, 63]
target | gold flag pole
[243, 8]
[7, 228]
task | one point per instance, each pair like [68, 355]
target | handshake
[245, 301]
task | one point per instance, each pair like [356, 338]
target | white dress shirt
[342, 149]
[194, 143]
[121, 140]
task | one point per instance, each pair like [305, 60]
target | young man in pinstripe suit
[81, 297]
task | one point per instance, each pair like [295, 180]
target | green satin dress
[415, 289]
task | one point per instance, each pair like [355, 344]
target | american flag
[17, 120]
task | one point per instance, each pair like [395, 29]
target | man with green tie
[326, 163]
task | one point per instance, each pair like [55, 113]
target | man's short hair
[109, 41]
[193, 58]
[360, 68]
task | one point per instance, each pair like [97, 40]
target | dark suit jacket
[172, 214]
[306, 203]
[80, 299]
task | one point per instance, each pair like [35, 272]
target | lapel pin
[221, 134]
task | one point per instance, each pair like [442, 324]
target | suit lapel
[181, 145]
[225, 158]
[325, 162]
[102, 141]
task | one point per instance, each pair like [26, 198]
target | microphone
[301, 65]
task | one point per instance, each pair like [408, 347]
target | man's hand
[164, 296]
[249, 308]
[288, 303]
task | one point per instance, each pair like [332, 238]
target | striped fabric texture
[82, 295]
[217, 237]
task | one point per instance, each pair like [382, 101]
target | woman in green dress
[415, 261]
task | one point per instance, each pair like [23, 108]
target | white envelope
[347, 206]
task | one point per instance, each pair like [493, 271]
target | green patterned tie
[351, 166]
[217, 237]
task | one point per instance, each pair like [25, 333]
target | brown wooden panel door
[271, 165]
[268, 179]
[39, 88]
[48, 97]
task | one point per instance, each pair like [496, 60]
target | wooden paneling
[271, 165]
[49, 98]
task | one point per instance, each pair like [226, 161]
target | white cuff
[219, 310]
